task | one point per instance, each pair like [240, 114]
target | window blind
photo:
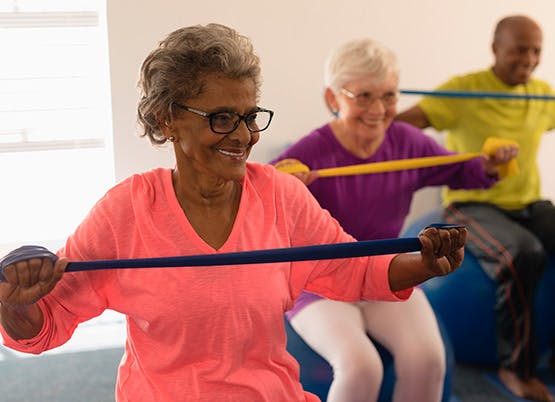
[52, 91]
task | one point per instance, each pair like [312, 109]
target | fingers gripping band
[24, 253]
[444, 226]
[305, 253]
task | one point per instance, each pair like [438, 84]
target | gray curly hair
[177, 68]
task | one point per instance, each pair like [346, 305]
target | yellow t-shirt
[469, 121]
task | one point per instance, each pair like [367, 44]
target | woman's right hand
[27, 281]
[306, 177]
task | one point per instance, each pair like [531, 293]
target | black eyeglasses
[227, 122]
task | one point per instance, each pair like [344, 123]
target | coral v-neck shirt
[203, 333]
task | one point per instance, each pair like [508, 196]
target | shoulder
[114, 218]
[400, 129]
[540, 86]
[259, 172]
[311, 145]
[402, 133]
[412, 141]
[319, 135]
[466, 80]
[140, 187]
[275, 187]
[267, 177]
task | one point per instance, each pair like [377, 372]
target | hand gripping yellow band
[491, 145]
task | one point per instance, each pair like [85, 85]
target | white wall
[434, 39]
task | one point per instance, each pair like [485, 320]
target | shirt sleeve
[347, 279]
[442, 112]
[59, 322]
[552, 107]
[462, 175]
[74, 299]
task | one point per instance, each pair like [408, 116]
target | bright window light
[56, 156]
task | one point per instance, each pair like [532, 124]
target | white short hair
[358, 58]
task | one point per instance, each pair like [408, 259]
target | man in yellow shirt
[511, 228]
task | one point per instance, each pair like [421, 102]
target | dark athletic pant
[511, 247]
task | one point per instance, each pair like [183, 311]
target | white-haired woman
[361, 88]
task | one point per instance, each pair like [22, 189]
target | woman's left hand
[442, 249]
[502, 156]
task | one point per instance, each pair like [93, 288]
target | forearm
[414, 116]
[22, 322]
[406, 271]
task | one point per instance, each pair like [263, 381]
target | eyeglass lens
[366, 98]
[227, 122]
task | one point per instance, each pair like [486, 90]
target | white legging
[338, 332]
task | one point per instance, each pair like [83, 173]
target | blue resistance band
[304, 253]
[465, 94]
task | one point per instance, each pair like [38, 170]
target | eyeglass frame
[243, 117]
[373, 98]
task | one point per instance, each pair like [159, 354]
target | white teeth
[228, 153]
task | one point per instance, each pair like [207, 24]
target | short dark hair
[176, 69]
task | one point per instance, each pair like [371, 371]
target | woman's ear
[166, 127]
[331, 101]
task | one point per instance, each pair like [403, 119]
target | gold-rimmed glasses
[365, 99]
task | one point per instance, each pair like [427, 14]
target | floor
[85, 370]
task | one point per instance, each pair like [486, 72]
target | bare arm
[442, 253]
[415, 116]
[23, 322]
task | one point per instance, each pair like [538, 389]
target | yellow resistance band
[490, 147]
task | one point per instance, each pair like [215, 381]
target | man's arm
[415, 116]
